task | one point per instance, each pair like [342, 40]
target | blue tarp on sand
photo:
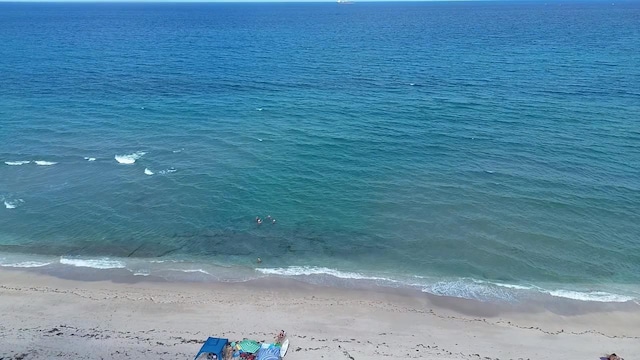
[213, 346]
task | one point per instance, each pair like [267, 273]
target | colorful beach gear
[213, 346]
[249, 346]
[270, 353]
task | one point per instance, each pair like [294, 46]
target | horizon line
[288, 1]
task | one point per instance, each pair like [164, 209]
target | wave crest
[17, 163]
[12, 204]
[168, 171]
[312, 270]
[45, 163]
[102, 263]
[129, 159]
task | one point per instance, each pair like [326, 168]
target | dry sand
[44, 317]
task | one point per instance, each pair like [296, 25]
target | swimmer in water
[273, 222]
[258, 220]
[259, 261]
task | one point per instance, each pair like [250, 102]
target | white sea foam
[147, 171]
[485, 290]
[129, 159]
[12, 204]
[516, 287]
[102, 263]
[310, 270]
[90, 158]
[178, 151]
[45, 163]
[259, 109]
[192, 271]
[504, 285]
[17, 163]
[26, 264]
[466, 289]
[597, 296]
[167, 171]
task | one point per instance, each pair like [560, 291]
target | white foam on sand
[148, 172]
[26, 264]
[45, 163]
[597, 296]
[102, 263]
[129, 159]
[17, 163]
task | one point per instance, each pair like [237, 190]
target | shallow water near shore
[487, 151]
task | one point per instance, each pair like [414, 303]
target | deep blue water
[445, 146]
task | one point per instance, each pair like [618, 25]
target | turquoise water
[481, 150]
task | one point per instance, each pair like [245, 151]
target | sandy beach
[46, 317]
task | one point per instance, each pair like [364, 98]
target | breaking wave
[12, 204]
[598, 296]
[167, 171]
[17, 163]
[129, 159]
[102, 263]
[310, 270]
[465, 288]
[45, 163]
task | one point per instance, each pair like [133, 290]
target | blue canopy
[213, 346]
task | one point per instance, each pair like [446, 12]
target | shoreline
[183, 270]
[158, 319]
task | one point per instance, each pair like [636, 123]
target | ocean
[485, 150]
